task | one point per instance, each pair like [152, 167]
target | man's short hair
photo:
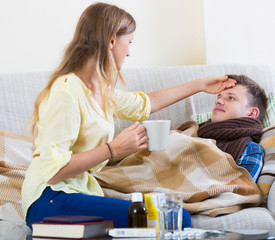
[256, 94]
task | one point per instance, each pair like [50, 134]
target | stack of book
[74, 227]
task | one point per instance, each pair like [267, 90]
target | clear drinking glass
[170, 213]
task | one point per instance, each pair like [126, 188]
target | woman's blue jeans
[57, 203]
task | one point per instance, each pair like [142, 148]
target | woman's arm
[130, 139]
[81, 162]
[165, 97]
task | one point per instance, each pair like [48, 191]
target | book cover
[72, 230]
[73, 219]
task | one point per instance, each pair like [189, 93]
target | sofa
[18, 92]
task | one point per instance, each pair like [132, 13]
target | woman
[73, 120]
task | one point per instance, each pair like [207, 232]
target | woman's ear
[112, 41]
[253, 112]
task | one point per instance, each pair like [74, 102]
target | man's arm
[252, 159]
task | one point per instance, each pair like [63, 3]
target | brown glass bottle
[137, 212]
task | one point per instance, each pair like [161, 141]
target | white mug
[157, 132]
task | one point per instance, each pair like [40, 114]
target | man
[209, 179]
[236, 123]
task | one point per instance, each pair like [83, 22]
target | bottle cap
[137, 197]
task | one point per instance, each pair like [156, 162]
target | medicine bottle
[137, 213]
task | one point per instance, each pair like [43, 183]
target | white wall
[240, 31]
[33, 33]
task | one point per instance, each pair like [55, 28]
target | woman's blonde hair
[95, 29]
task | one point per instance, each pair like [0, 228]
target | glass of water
[170, 213]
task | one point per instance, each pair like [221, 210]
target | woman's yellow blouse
[71, 121]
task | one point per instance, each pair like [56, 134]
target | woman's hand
[130, 139]
[215, 85]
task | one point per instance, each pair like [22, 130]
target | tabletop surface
[15, 231]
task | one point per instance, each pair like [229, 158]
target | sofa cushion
[271, 199]
[249, 218]
[15, 157]
[267, 175]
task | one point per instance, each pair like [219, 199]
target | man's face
[231, 103]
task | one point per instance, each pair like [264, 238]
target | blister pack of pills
[192, 233]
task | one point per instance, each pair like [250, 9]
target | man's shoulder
[252, 147]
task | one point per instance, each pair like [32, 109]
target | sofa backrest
[17, 95]
[19, 91]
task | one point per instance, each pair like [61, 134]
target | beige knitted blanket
[209, 179]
